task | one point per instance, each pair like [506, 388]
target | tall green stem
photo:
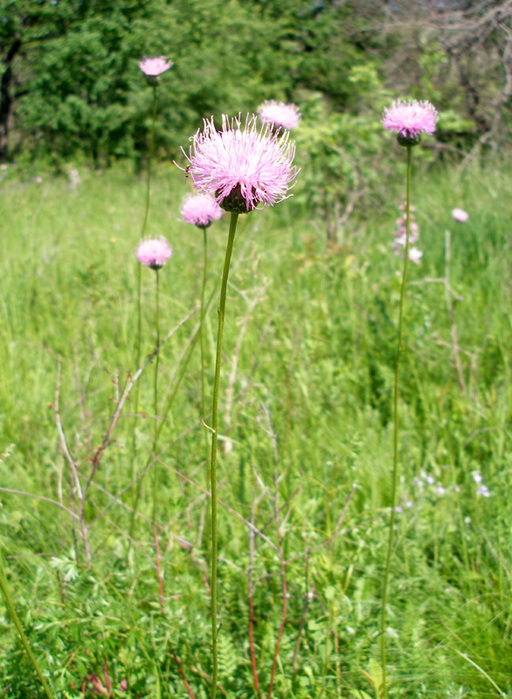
[396, 425]
[155, 394]
[139, 310]
[201, 327]
[202, 339]
[12, 611]
[213, 456]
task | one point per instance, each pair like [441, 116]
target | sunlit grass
[313, 332]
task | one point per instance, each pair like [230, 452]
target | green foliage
[81, 89]
[315, 368]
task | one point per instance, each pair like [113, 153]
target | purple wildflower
[410, 119]
[460, 215]
[153, 67]
[200, 210]
[279, 114]
[242, 165]
[154, 253]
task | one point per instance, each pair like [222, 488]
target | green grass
[309, 404]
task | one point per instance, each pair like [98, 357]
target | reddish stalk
[283, 621]
[281, 551]
[250, 590]
[182, 675]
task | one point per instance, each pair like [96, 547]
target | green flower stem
[203, 372]
[10, 606]
[139, 308]
[155, 394]
[201, 327]
[396, 424]
[213, 456]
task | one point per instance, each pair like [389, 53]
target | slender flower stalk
[201, 210]
[213, 455]
[138, 350]
[152, 68]
[202, 338]
[396, 427]
[155, 390]
[14, 616]
[243, 165]
[153, 254]
[409, 120]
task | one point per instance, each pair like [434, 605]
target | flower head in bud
[242, 165]
[153, 67]
[410, 120]
[279, 114]
[154, 253]
[200, 210]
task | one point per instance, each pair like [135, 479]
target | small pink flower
[410, 119]
[242, 165]
[38, 180]
[3, 166]
[200, 210]
[154, 253]
[285, 116]
[153, 67]
[460, 215]
[415, 255]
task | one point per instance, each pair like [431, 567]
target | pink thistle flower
[242, 165]
[154, 253]
[460, 215]
[410, 119]
[279, 114]
[153, 67]
[200, 210]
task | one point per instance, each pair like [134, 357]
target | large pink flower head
[281, 115]
[154, 252]
[200, 210]
[153, 67]
[242, 165]
[410, 119]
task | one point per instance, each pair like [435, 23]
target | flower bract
[242, 165]
[154, 252]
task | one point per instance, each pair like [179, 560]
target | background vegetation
[309, 344]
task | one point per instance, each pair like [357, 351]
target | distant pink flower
[3, 166]
[415, 255]
[154, 253]
[410, 119]
[242, 165]
[200, 210]
[460, 215]
[38, 179]
[286, 116]
[153, 67]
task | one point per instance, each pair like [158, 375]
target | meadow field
[305, 446]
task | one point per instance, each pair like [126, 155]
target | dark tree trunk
[6, 98]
